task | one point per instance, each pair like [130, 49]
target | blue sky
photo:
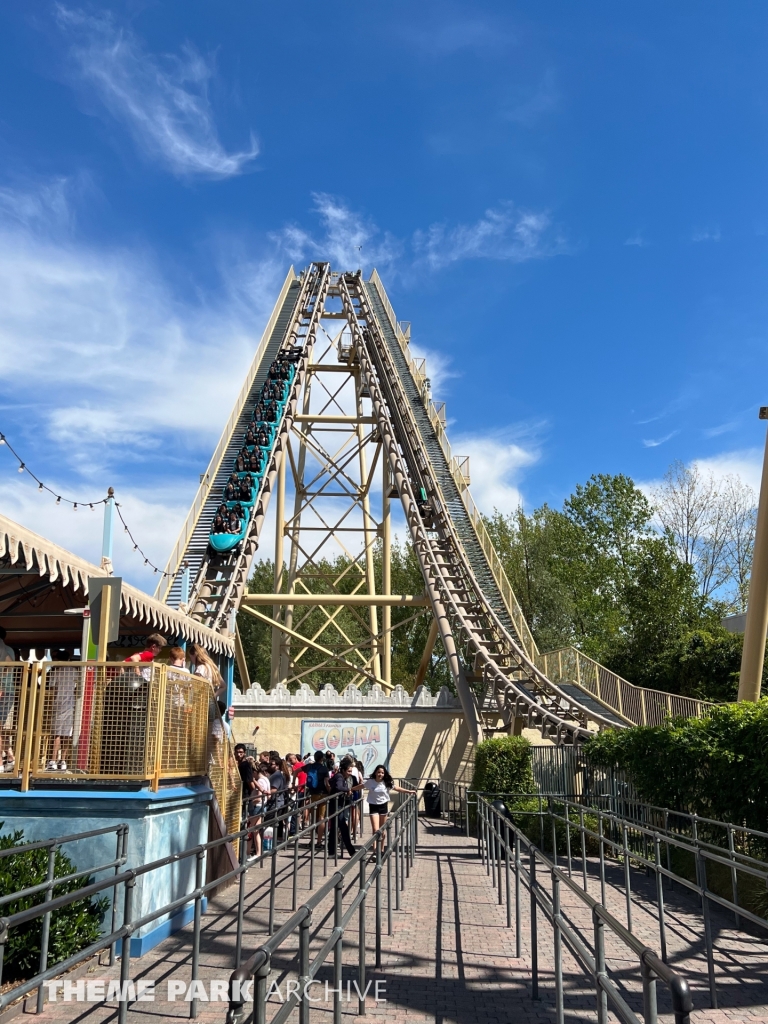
[567, 201]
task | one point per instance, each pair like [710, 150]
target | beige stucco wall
[424, 743]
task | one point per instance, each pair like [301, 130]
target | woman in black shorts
[378, 786]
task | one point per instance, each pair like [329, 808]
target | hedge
[716, 766]
[72, 927]
[503, 765]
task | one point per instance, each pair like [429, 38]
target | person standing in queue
[342, 786]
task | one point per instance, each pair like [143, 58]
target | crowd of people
[321, 792]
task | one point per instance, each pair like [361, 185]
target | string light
[23, 468]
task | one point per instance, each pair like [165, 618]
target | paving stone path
[451, 956]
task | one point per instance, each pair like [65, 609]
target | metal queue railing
[394, 848]
[52, 882]
[506, 851]
[639, 836]
[400, 834]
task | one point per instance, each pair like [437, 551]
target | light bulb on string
[22, 467]
[58, 500]
[2, 438]
[39, 487]
[74, 507]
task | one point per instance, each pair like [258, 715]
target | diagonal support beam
[316, 646]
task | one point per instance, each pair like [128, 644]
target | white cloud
[350, 240]
[448, 36]
[116, 359]
[154, 519]
[637, 239]
[654, 443]
[162, 100]
[504, 233]
[706, 235]
[495, 465]
[746, 463]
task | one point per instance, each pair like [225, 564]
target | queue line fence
[515, 863]
[720, 864]
[282, 864]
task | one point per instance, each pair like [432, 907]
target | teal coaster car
[223, 542]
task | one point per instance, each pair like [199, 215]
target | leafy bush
[72, 927]
[503, 765]
[714, 766]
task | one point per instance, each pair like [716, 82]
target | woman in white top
[378, 787]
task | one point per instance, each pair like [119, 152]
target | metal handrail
[499, 854]
[401, 831]
[639, 705]
[127, 878]
[646, 844]
[437, 421]
[53, 882]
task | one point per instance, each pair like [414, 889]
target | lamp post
[756, 626]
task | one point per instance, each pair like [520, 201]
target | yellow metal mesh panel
[120, 721]
[13, 697]
[185, 724]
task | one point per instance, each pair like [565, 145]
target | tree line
[639, 581]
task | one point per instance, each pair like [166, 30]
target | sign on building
[367, 740]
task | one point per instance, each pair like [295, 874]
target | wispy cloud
[448, 36]
[504, 233]
[654, 443]
[527, 107]
[163, 100]
[349, 239]
[722, 428]
[706, 235]
[637, 239]
[119, 363]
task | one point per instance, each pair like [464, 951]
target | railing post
[734, 877]
[600, 972]
[199, 879]
[701, 875]
[304, 968]
[627, 878]
[389, 878]
[649, 992]
[518, 908]
[272, 886]
[125, 950]
[660, 898]
[378, 905]
[157, 754]
[338, 951]
[46, 924]
[558, 948]
[506, 873]
[534, 929]
[241, 894]
[260, 992]
[360, 946]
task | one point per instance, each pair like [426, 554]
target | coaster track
[488, 659]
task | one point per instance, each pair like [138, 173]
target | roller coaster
[498, 672]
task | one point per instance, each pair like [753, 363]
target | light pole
[756, 626]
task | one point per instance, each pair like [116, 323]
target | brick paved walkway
[450, 958]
